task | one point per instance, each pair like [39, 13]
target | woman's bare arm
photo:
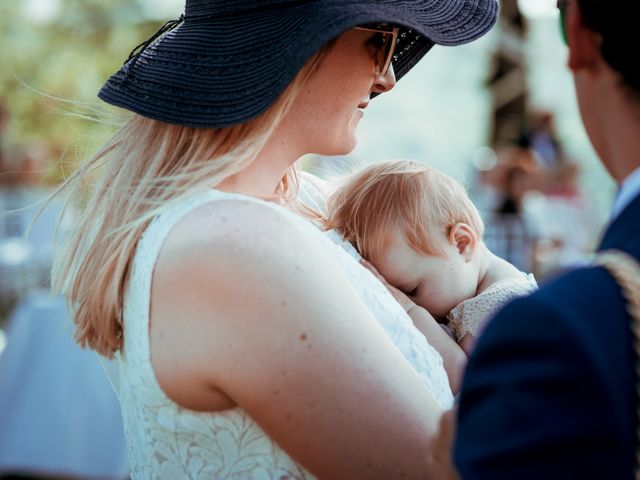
[250, 306]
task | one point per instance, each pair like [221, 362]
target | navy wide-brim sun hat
[226, 61]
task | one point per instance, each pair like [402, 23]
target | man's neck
[621, 123]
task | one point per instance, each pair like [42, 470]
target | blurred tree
[56, 65]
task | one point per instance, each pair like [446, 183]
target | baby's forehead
[423, 240]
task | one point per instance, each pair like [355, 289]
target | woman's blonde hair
[404, 194]
[145, 165]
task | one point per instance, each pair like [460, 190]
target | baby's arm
[467, 343]
[453, 357]
[468, 320]
[466, 329]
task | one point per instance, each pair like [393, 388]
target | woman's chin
[337, 150]
[345, 146]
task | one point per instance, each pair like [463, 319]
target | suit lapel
[624, 231]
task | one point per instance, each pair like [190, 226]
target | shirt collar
[629, 189]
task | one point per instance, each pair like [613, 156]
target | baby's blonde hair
[407, 194]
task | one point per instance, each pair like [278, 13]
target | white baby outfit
[471, 316]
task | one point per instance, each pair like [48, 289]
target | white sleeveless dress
[166, 441]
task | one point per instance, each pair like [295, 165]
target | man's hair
[617, 22]
[404, 194]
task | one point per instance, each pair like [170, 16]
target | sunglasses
[385, 41]
[562, 6]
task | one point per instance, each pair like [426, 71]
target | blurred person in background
[560, 220]
[541, 137]
[508, 232]
[550, 391]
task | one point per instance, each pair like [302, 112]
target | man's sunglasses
[385, 41]
[562, 6]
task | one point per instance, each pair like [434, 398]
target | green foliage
[52, 70]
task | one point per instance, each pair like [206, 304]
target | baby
[423, 235]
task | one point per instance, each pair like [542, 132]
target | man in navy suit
[549, 392]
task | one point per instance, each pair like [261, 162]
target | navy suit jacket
[549, 391]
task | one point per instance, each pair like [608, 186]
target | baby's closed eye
[410, 292]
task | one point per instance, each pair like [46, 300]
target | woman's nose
[386, 82]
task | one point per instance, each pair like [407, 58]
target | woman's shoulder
[229, 269]
[237, 240]
[237, 225]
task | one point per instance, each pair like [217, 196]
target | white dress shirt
[629, 190]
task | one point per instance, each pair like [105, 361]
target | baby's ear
[464, 238]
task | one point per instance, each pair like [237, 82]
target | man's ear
[584, 44]
[464, 238]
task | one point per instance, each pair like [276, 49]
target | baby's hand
[399, 295]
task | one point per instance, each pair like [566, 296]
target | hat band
[168, 26]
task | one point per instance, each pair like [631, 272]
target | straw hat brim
[219, 71]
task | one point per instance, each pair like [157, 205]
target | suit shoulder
[581, 298]
[580, 288]
[581, 311]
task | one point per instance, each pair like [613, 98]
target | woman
[246, 344]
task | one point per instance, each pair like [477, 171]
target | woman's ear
[584, 44]
[465, 240]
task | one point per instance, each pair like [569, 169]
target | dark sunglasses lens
[386, 53]
[383, 53]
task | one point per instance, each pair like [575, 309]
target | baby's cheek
[435, 302]
[445, 300]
